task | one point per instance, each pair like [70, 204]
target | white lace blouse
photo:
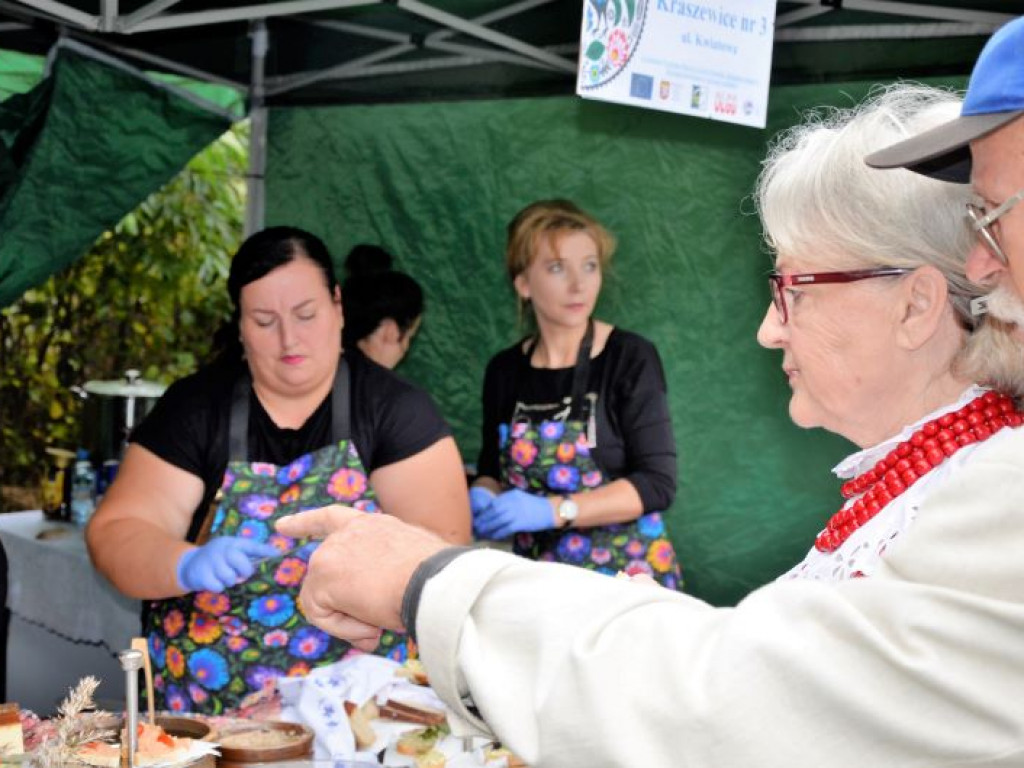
[860, 554]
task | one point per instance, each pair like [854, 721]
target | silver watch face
[568, 510]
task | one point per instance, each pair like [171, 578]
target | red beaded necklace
[928, 447]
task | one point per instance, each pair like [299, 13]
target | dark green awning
[79, 151]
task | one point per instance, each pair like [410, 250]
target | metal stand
[131, 663]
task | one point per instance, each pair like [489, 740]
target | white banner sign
[706, 58]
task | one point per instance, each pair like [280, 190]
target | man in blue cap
[984, 146]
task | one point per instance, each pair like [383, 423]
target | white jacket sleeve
[921, 665]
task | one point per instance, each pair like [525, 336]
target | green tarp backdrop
[78, 152]
[437, 182]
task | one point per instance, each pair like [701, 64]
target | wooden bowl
[265, 741]
[190, 728]
[184, 726]
[175, 725]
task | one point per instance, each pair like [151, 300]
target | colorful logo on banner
[705, 58]
[611, 31]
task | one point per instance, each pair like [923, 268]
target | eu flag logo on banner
[641, 86]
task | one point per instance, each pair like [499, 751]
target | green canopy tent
[302, 52]
[371, 51]
[79, 151]
[425, 127]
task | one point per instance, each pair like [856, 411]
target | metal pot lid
[129, 386]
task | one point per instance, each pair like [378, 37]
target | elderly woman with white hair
[872, 311]
[897, 642]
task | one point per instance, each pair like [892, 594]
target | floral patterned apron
[211, 649]
[552, 457]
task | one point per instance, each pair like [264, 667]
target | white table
[66, 620]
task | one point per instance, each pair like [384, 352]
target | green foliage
[148, 295]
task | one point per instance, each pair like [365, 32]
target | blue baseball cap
[995, 97]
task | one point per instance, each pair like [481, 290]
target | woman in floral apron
[292, 426]
[578, 455]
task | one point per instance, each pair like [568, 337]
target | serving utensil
[139, 644]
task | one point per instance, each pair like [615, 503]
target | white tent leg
[254, 206]
[108, 15]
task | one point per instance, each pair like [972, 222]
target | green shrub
[149, 295]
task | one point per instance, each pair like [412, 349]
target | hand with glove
[480, 500]
[221, 563]
[514, 511]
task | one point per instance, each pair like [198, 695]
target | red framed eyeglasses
[777, 282]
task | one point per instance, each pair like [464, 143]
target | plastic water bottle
[83, 489]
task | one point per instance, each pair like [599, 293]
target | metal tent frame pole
[375, 64]
[936, 21]
[255, 203]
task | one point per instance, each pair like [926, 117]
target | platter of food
[156, 746]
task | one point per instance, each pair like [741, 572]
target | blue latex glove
[514, 511]
[480, 500]
[221, 563]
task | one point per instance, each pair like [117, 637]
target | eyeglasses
[777, 282]
[982, 220]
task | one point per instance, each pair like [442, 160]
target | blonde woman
[578, 455]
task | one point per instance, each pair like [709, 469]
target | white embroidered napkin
[318, 700]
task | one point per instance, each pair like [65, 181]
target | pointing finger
[316, 523]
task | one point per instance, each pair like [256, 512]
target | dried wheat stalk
[77, 725]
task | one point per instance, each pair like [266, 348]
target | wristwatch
[568, 511]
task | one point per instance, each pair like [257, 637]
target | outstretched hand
[221, 563]
[514, 511]
[357, 577]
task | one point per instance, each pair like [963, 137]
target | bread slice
[511, 759]
[417, 742]
[359, 719]
[432, 759]
[413, 670]
[411, 713]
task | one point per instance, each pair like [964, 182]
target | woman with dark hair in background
[282, 421]
[383, 307]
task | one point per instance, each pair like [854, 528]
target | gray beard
[1005, 305]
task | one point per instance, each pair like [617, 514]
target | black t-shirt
[391, 420]
[626, 384]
